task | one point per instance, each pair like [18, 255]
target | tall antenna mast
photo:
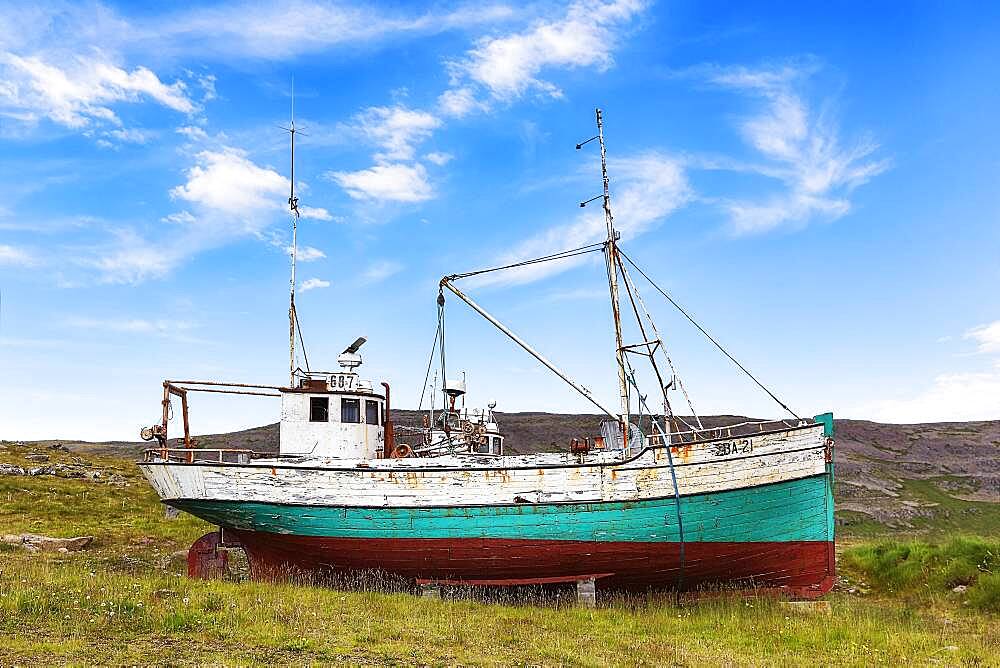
[612, 263]
[611, 258]
[293, 205]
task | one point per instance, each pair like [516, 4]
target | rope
[708, 336]
[677, 493]
[561, 255]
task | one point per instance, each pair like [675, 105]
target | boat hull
[777, 535]
[801, 568]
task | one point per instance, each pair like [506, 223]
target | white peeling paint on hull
[700, 468]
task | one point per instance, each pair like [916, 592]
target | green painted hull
[797, 510]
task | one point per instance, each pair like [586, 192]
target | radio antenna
[293, 206]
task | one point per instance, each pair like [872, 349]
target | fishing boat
[652, 499]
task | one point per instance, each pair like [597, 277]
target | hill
[942, 476]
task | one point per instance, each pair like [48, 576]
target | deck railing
[221, 455]
[740, 429]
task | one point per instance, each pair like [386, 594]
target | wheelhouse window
[350, 410]
[371, 411]
[319, 409]
[497, 448]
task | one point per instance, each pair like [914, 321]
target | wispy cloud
[987, 337]
[439, 158]
[396, 182]
[161, 327]
[966, 395]
[81, 91]
[179, 218]
[313, 284]
[509, 66]
[396, 130]
[314, 213]
[192, 133]
[307, 253]
[460, 102]
[12, 255]
[804, 151]
[950, 397]
[241, 30]
[229, 196]
[649, 188]
[379, 271]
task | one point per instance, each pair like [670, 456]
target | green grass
[125, 600]
[65, 613]
[924, 573]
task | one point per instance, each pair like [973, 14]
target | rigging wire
[561, 255]
[708, 336]
[298, 328]
[430, 363]
[650, 348]
[629, 284]
[444, 375]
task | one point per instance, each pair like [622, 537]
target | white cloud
[130, 135]
[312, 284]
[395, 129]
[282, 31]
[951, 397]
[390, 182]
[986, 336]
[804, 152]
[132, 325]
[227, 181]
[438, 158]
[11, 255]
[460, 102]
[81, 91]
[131, 259]
[307, 253]
[970, 395]
[179, 218]
[314, 213]
[193, 133]
[379, 271]
[509, 66]
[207, 84]
[231, 196]
[652, 186]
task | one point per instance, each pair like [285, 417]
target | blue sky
[816, 184]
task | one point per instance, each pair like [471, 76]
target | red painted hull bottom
[798, 568]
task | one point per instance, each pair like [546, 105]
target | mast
[612, 261]
[293, 205]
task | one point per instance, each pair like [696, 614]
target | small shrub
[985, 595]
[919, 568]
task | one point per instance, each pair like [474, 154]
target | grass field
[125, 600]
